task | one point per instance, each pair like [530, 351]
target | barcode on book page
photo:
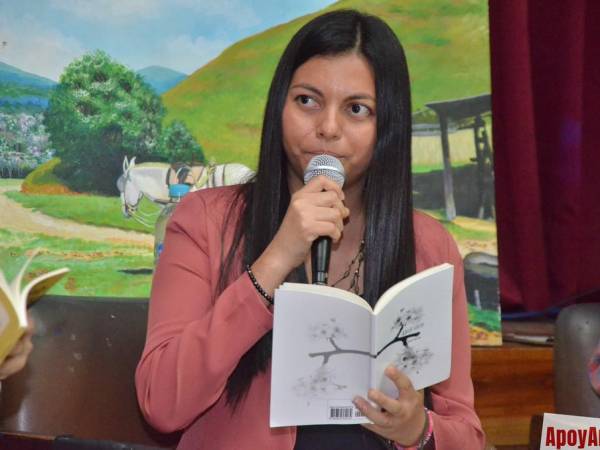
[344, 412]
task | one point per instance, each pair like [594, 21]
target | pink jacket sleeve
[194, 341]
[455, 423]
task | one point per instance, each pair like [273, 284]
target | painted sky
[43, 36]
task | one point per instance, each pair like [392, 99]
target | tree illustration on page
[406, 327]
[323, 380]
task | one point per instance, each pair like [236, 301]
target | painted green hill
[222, 103]
[12, 75]
[23, 91]
[161, 79]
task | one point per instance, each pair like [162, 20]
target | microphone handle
[321, 252]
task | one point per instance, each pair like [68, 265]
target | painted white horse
[211, 175]
[152, 180]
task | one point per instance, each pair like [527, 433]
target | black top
[339, 437]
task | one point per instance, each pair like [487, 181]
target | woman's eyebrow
[308, 87]
[357, 96]
[361, 96]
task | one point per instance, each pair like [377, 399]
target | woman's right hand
[317, 209]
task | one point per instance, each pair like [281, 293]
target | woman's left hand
[402, 419]
[17, 358]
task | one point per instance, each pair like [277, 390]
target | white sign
[562, 432]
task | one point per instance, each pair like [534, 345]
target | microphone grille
[326, 165]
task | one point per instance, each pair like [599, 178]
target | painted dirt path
[15, 217]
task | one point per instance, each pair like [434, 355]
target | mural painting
[102, 107]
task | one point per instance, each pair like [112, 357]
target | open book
[329, 345]
[14, 301]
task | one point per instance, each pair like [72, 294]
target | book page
[329, 291]
[42, 284]
[320, 358]
[17, 281]
[5, 307]
[6, 287]
[14, 302]
[413, 330]
[11, 328]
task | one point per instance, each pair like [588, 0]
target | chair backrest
[79, 379]
[577, 335]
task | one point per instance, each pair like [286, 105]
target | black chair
[79, 380]
[577, 335]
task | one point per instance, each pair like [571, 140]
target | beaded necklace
[360, 256]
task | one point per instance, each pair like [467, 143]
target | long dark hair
[389, 240]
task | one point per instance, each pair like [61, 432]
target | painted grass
[461, 233]
[223, 102]
[426, 168]
[97, 269]
[486, 319]
[87, 209]
[11, 182]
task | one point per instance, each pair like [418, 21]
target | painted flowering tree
[99, 112]
[24, 144]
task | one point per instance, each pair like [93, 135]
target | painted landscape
[63, 144]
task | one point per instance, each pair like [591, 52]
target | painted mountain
[23, 91]
[161, 79]
[222, 103]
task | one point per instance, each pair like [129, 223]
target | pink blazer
[195, 340]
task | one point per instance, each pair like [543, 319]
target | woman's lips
[324, 152]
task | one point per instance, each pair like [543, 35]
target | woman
[341, 88]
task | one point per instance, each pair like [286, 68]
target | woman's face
[330, 108]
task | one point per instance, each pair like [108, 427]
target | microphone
[332, 168]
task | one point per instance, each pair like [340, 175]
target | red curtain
[545, 58]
